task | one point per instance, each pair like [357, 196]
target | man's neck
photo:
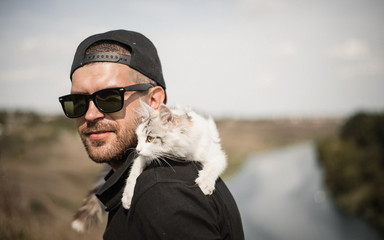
[118, 162]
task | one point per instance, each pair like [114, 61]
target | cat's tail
[91, 211]
[89, 214]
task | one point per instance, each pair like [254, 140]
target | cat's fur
[92, 210]
[180, 134]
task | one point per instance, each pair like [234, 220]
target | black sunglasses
[107, 100]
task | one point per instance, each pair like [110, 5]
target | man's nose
[93, 112]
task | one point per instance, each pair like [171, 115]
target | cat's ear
[166, 115]
[146, 110]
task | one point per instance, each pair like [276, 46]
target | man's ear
[155, 97]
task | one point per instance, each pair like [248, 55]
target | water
[280, 195]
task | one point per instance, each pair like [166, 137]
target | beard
[113, 150]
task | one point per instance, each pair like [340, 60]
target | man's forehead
[97, 76]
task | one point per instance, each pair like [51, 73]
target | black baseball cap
[143, 58]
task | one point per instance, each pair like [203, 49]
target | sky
[226, 58]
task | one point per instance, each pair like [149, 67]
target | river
[281, 196]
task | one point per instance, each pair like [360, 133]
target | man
[110, 73]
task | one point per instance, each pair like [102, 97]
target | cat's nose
[137, 150]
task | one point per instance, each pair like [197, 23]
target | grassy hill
[45, 171]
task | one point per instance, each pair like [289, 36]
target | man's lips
[95, 135]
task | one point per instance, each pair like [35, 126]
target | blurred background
[296, 88]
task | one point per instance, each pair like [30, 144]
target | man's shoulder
[166, 183]
[169, 171]
[175, 180]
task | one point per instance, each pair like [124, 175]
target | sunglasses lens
[109, 101]
[74, 105]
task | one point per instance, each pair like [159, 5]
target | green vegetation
[353, 163]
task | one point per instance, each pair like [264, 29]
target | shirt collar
[110, 193]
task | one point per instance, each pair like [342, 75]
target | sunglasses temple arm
[139, 87]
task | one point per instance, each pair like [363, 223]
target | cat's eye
[150, 139]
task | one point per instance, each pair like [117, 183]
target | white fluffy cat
[181, 134]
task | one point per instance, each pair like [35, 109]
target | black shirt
[167, 204]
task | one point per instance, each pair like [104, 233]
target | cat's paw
[126, 200]
[206, 186]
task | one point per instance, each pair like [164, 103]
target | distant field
[45, 172]
[242, 137]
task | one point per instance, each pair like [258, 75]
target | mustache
[98, 127]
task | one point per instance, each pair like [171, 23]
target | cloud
[46, 44]
[358, 59]
[351, 49]
[287, 49]
[22, 74]
[265, 80]
[368, 68]
[250, 5]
